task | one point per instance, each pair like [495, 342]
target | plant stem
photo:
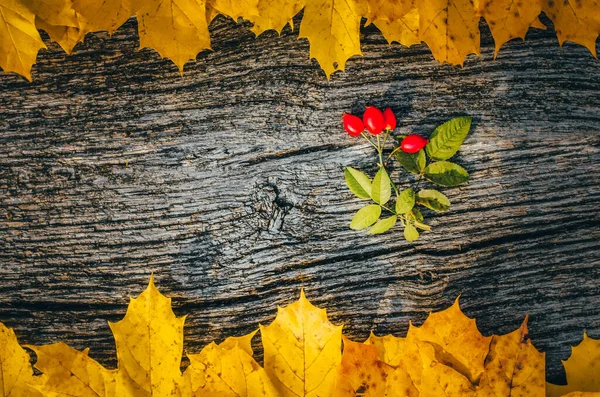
[370, 141]
[386, 208]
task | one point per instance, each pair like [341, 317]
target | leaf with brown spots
[583, 371]
[69, 372]
[575, 20]
[510, 19]
[361, 369]
[302, 350]
[456, 340]
[513, 366]
[226, 369]
[450, 28]
[149, 346]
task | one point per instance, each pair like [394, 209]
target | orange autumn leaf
[361, 369]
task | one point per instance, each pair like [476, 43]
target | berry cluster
[411, 153]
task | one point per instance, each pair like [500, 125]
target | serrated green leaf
[405, 201]
[418, 215]
[410, 232]
[383, 225]
[381, 190]
[413, 163]
[358, 183]
[447, 138]
[445, 173]
[365, 217]
[433, 200]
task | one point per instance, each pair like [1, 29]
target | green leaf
[383, 225]
[365, 217]
[433, 199]
[447, 138]
[382, 187]
[413, 163]
[418, 215]
[405, 201]
[410, 232]
[358, 183]
[446, 173]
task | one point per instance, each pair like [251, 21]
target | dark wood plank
[227, 182]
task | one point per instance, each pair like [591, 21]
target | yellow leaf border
[446, 355]
[178, 29]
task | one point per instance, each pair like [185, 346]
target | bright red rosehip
[413, 143]
[353, 124]
[390, 119]
[374, 120]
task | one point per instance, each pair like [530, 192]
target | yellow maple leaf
[302, 350]
[457, 341]
[275, 14]
[393, 351]
[509, 19]
[404, 30]
[514, 367]
[53, 12]
[16, 373]
[149, 343]
[582, 368]
[176, 29]
[19, 38]
[235, 9]
[332, 28]
[106, 15]
[67, 37]
[223, 369]
[69, 372]
[575, 20]
[450, 28]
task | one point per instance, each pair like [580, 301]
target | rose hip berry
[353, 124]
[374, 120]
[390, 119]
[413, 143]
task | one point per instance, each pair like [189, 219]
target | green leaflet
[410, 232]
[381, 190]
[358, 183]
[405, 201]
[365, 217]
[445, 173]
[433, 199]
[383, 225]
[418, 215]
[447, 138]
[413, 163]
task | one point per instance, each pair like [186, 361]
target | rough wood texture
[228, 184]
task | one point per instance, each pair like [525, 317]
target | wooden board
[228, 184]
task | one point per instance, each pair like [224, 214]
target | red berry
[413, 143]
[374, 120]
[390, 119]
[353, 124]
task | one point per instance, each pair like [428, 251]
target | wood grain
[228, 184]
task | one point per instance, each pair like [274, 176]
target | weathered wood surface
[227, 183]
